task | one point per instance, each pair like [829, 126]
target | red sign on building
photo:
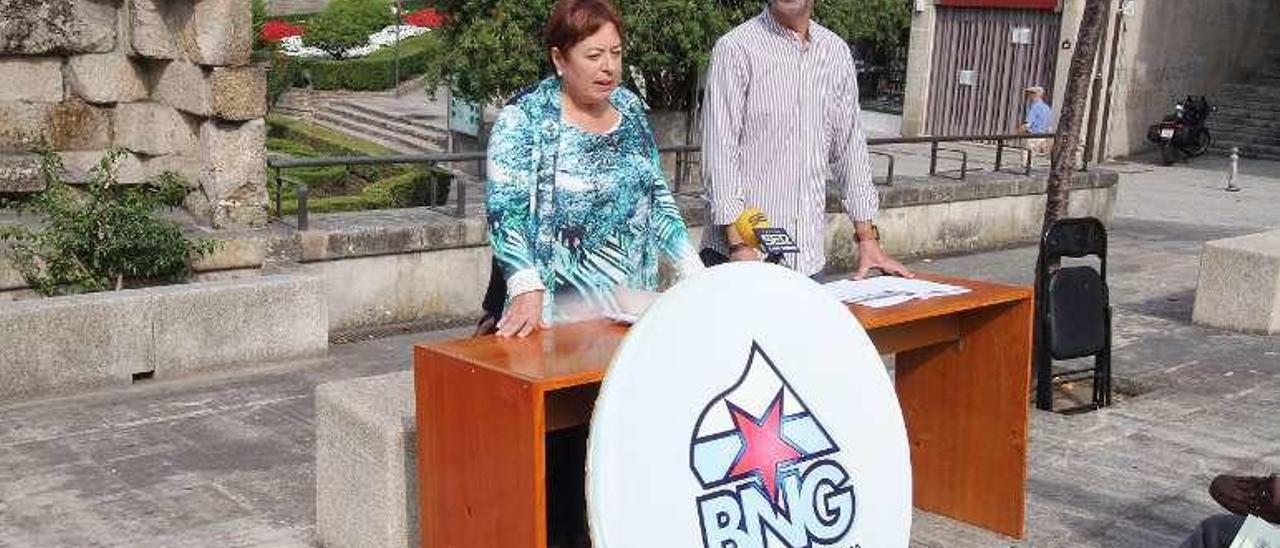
[1002, 4]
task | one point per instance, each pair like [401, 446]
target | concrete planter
[63, 345]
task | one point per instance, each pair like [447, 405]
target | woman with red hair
[577, 201]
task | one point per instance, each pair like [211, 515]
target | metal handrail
[279, 164]
[888, 180]
[925, 139]
[1028, 156]
[964, 162]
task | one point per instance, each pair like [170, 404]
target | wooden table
[484, 406]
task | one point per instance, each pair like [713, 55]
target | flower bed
[291, 37]
[276, 30]
[427, 18]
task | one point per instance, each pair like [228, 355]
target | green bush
[281, 75]
[327, 142]
[419, 55]
[104, 236]
[322, 180]
[322, 140]
[494, 47]
[410, 189]
[259, 10]
[393, 186]
[669, 42]
[346, 24]
[292, 148]
[876, 23]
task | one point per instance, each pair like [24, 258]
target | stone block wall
[168, 81]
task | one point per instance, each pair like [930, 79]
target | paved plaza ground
[227, 461]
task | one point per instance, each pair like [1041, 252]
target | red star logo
[764, 449]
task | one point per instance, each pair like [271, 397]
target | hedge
[327, 142]
[323, 180]
[374, 72]
[323, 140]
[411, 189]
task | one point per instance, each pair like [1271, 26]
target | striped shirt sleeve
[850, 162]
[727, 84]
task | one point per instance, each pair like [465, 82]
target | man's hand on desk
[870, 256]
[523, 316]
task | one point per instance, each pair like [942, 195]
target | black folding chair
[1073, 311]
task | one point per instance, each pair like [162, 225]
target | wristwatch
[875, 234]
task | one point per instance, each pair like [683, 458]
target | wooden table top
[579, 353]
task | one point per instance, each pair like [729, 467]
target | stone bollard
[1235, 170]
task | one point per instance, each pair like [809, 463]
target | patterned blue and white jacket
[580, 214]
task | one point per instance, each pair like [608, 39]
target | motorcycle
[1183, 132]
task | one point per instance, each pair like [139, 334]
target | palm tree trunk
[1073, 108]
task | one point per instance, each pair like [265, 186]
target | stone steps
[1244, 140]
[415, 123]
[1246, 109]
[402, 143]
[1261, 127]
[1256, 92]
[1248, 114]
[1249, 104]
[1227, 140]
[365, 115]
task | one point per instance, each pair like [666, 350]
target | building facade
[970, 59]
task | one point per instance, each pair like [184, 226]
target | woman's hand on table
[522, 316]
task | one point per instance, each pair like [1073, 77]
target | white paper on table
[885, 302]
[1257, 533]
[883, 291]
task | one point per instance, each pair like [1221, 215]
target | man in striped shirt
[780, 112]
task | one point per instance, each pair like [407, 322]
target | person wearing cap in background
[780, 115]
[1039, 119]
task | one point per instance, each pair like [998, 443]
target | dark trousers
[1215, 532]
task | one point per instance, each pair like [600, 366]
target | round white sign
[748, 409]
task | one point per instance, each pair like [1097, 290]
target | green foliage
[259, 9]
[874, 24]
[322, 140]
[322, 180]
[393, 185]
[283, 73]
[292, 148]
[412, 188]
[346, 24]
[104, 236]
[668, 44]
[419, 55]
[494, 47]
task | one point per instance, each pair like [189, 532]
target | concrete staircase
[409, 127]
[1249, 115]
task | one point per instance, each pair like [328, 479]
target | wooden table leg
[487, 430]
[966, 408]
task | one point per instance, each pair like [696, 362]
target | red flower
[426, 18]
[276, 30]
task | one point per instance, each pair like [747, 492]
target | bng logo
[767, 467]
